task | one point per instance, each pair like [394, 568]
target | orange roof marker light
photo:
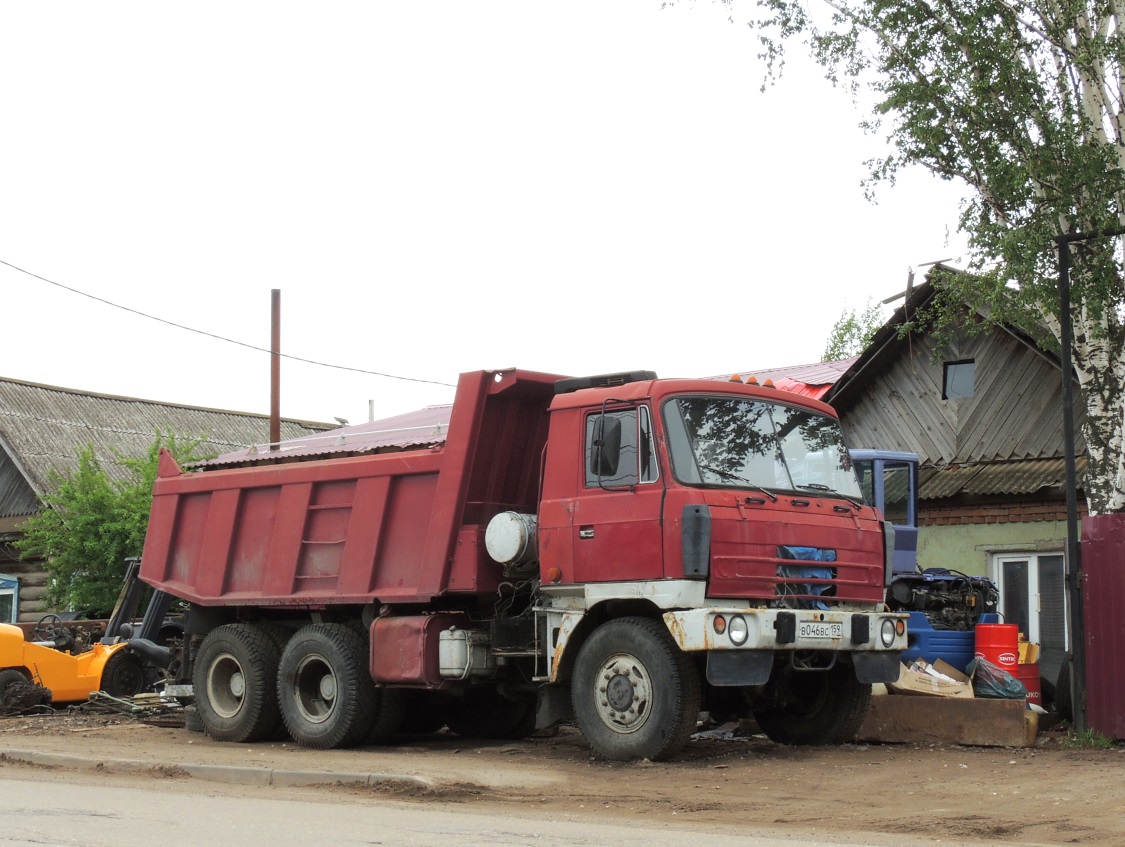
[735, 378]
[751, 380]
[768, 383]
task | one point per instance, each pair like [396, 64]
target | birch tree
[1021, 100]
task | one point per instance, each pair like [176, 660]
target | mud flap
[739, 667]
[876, 667]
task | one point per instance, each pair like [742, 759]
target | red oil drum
[1029, 676]
[998, 643]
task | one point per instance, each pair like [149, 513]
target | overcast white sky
[435, 187]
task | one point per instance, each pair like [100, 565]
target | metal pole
[1073, 547]
[275, 368]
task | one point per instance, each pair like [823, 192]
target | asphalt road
[82, 810]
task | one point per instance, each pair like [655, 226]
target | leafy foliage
[92, 523]
[1024, 102]
[852, 333]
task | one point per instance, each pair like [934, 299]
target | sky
[438, 187]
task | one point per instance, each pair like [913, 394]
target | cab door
[616, 519]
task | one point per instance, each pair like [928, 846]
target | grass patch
[1089, 739]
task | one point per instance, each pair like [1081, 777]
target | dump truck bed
[397, 528]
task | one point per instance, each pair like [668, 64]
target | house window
[9, 599]
[959, 380]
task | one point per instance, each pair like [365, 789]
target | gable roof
[41, 427]
[1006, 439]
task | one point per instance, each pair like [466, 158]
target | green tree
[92, 522]
[1023, 101]
[852, 332]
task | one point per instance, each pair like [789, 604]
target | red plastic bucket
[1029, 676]
[998, 643]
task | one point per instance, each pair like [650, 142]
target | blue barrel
[924, 642]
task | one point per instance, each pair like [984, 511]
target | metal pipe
[1073, 547]
[275, 368]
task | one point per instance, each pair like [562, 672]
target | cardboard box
[920, 680]
[1029, 653]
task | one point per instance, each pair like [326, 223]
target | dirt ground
[1049, 794]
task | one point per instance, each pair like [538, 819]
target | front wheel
[815, 707]
[123, 675]
[635, 693]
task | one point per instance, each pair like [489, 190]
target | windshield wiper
[818, 486]
[725, 474]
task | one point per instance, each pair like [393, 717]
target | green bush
[92, 523]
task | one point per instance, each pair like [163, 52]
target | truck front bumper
[742, 645]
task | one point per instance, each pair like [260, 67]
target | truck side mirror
[605, 446]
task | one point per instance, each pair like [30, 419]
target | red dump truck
[621, 551]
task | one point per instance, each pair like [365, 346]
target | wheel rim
[623, 698]
[226, 685]
[315, 688]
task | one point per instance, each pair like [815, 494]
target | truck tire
[327, 697]
[635, 694]
[815, 707]
[123, 675]
[390, 710]
[424, 714]
[1064, 701]
[235, 679]
[488, 714]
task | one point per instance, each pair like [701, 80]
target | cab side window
[620, 448]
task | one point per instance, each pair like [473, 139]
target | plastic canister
[998, 643]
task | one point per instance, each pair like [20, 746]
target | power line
[220, 337]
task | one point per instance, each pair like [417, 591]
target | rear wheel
[815, 707]
[488, 714]
[390, 710]
[635, 693]
[235, 678]
[123, 675]
[327, 697]
[424, 713]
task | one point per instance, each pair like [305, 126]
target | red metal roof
[807, 380]
[424, 428]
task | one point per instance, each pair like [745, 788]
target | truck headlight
[887, 632]
[737, 631]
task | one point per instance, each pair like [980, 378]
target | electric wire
[221, 337]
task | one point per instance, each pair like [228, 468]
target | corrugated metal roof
[423, 428]
[813, 380]
[1027, 476]
[42, 426]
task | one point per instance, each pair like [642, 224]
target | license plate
[820, 629]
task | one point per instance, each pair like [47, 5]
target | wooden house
[984, 414]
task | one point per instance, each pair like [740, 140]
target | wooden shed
[984, 414]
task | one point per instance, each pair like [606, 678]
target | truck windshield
[738, 443]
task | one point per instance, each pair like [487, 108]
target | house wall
[967, 547]
[32, 581]
[962, 536]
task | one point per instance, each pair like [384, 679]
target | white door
[1033, 596]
